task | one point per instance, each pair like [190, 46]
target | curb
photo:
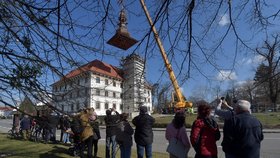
[189, 129]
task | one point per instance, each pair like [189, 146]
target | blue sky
[230, 61]
[214, 66]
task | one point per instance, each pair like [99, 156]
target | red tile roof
[99, 67]
[6, 109]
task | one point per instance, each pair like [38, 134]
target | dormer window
[97, 79]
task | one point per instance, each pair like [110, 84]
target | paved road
[269, 149]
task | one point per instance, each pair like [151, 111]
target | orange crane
[181, 104]
[123, 41]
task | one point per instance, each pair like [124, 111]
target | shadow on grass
[55, 152]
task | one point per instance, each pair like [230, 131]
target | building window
[62, 107]
[114, 95]
[149, 100]
[78, 93]
[114, 83]
[72, 107]
[114, 105]
[97, 105]
[106, 93]
[98, 92]
[121, 85]
[106, 105]
[86, 104]
[86, 79]
[97, 79]
[106, 82]
[121, 106]
[77, 106]
[78, 82]
[70, 95]
[86, 91]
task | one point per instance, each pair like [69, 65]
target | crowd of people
[242, 133]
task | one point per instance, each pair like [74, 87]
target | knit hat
[143, 109]
[243, 105]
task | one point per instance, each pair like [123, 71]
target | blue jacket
[25, 123]
[244, 135]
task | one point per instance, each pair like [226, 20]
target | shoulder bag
[177, 148]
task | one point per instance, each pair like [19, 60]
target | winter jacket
[87, 132]
[124, 134]
[204, 134]
[95, 127]
[111, 122]
[25, 124]
[65, 124]
[245, 135]
[143, 131]
[53, 121]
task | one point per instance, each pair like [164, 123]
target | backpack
[120, 134]
[76, 126]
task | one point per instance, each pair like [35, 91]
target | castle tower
[134, 88]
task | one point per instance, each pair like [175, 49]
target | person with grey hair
[243, 133]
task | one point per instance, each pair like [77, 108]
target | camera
[222, 98]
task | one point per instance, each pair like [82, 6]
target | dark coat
[95, 127]
[25, 123]
[242, 136]
[143, 131]
[111, 122]
[53, 121]
[124, 133]
[65, 124]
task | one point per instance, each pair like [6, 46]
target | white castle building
[103, 86]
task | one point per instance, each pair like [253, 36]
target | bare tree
[268, 73]
[43, 40]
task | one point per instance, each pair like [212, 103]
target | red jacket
[208, 137]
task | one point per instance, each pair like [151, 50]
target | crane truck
[181, 103]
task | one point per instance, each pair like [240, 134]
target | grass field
[269, 120]
[12, 148]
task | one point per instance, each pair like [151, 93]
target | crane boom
[181, 101]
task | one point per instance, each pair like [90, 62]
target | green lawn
[269, 120]
[162, 121]
[26, 149]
